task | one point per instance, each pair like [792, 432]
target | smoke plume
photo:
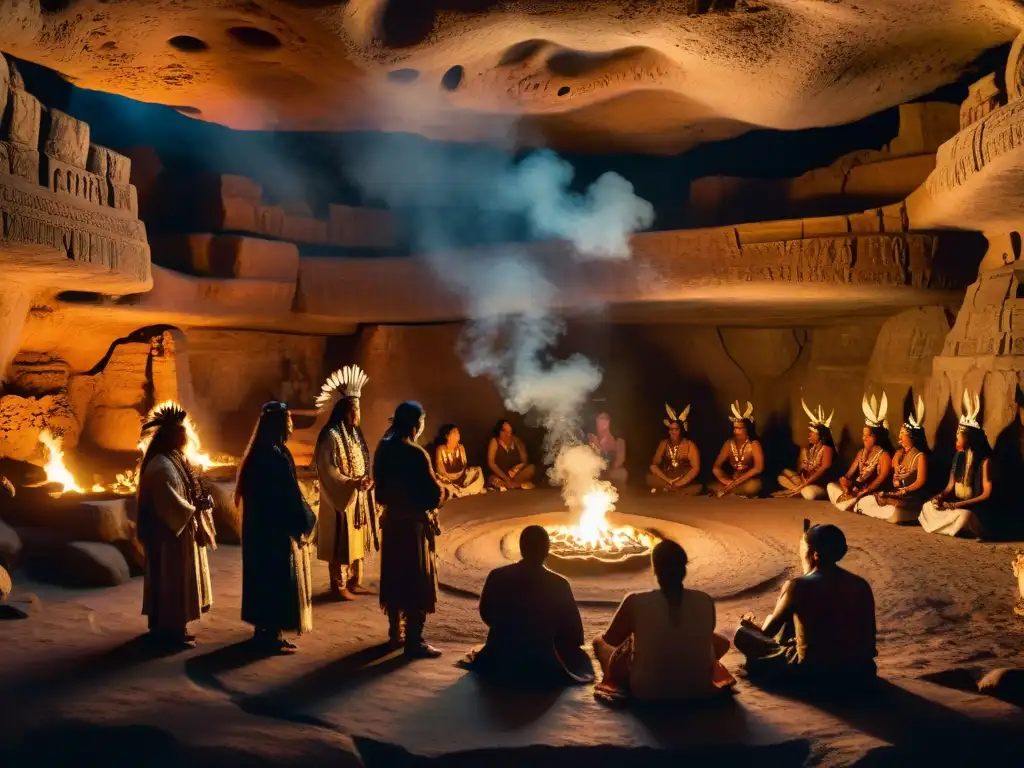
[506, 292]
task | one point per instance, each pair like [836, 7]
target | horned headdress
[916, 419]
[747, 415]
[971, 410]
[673, 416]
[818, 419]
[345, 382]
[874, 412]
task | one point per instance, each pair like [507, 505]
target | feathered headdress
[164, 415]
[818, 419]
[673, 416]
[345, 382]
[874, 412]
[747, 415]
[916, 419]
[971, 409]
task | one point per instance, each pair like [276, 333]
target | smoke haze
[506, 292]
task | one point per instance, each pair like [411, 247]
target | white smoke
[507, 295]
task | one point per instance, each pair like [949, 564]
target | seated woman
[741, 460]
[870, 469]
[823, 627]
[661, 645]
[815, 460]
[612, 450]
[676, 462]
[909, 474]
[964, 506]
[507, 461]
[451, 467]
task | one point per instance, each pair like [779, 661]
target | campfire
[125, 483]
[594, 537]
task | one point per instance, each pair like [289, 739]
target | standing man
[175, 527]
[347, 524]
[410, 496]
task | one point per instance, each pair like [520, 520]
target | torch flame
[56, 471]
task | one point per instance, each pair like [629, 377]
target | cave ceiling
[642, 76]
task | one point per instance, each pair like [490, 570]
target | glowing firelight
[593, 533]
[193, 450]
[56, 471]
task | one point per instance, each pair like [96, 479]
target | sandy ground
[73, 680]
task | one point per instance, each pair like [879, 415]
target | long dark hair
[669, 561]
[166, 423]
[441, 438]
[918, 439]
[406, 419]
[751, 429]
[825, 434]
[271, 432]
[882, 438]
[496, 432]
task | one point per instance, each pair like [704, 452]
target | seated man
[661, 644]
[823, 626]
[612, 450]
[740, 463]
[536, 633]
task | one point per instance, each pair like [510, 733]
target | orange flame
[56, 470]
[193, 450]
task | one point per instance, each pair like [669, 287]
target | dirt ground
[77, 687]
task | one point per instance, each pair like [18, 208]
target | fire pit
[594, 546]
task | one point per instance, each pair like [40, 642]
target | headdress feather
[345, 382]
[874, 412]
[970, 411]
[748, 414]
[916, 419]
[163, 415]
[673, 416]
[819, 417]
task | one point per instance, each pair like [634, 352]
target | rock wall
[234, 372]
[646, 366]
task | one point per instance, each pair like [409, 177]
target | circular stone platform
[482, 533]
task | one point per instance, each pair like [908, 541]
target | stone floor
[76, 685]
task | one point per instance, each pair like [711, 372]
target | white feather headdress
[673, 416]
[345, 382]
[971, 410]
[819, 417]
[916, 419]
[747, 414]
[874, 412]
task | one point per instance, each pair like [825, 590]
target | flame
[56, 471]
[593, 533]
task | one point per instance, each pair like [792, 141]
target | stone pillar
[15, 302]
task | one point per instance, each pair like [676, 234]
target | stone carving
[67, 139]
[983, 98]
[1015, 70]
[66, 179]
[19, 161]
[108, 164]
[25, 113]
[971, 150]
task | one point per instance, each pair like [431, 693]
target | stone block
[72, 517]
[889, 179]
[924, 126]
[867, 222]
[235, 256]
[301, 229]
[983, 97]
[63, 178]
[19, 161]
[360, 227]
[108, 164]
[21, 120]
[226, 185]
[824, 226]
[123, 197]
[269, 220]
[67, 139]
[770, 231]
[894, 218]
[114, 429]
[299, 208]
[83, 564]
[37, 374]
